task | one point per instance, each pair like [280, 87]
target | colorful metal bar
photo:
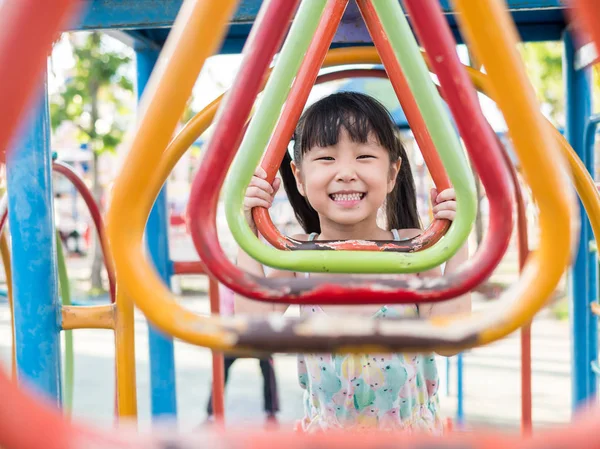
[261, 127]
[306, 77]
[578, 110]
[5, 254]
[523, 253]
[350, 55]
[83, 190]
[35, 286]
[65, 296]
[188, 267]
[88, 317]
[218, 362]
[139, 175]
[19, 75]
[27, 423]
[587, 16]
[160, 346]
[590, 161]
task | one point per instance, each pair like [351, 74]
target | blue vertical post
[590, 162]
[578, 111]
[460, 394]
[162, 356]
[35, 287]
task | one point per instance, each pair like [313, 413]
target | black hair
[360, 115]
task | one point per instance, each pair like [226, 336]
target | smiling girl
[348, 165]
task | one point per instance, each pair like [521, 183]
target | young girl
[348, 164]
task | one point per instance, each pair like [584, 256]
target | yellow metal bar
[196, 35]
[491, 33]
[5, 254]
[88, 317]
[125, 356]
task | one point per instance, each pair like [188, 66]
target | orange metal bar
[88, 317]
[5, 254]
[196, 34]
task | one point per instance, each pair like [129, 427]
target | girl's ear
[298, 176]
[394, 170]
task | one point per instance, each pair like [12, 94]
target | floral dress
[367, 391]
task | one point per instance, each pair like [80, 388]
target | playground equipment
[195, 36]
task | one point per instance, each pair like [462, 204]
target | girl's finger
[432, 195]
[445, 215]
[261, 184]
[446, 195]
[446, 205]
[255, 192]
[260, 172]
[276, 185]
[251, 203]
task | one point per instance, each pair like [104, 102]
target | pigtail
[401, 204]
[305, 214]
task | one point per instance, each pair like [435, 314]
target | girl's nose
[346, 173]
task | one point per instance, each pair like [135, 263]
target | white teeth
[347, 196]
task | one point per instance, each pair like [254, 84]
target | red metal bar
[347, 289]
[307, 75]
[26, 422]
[404, 94]
[3, 211]
[27, 31]
[189, 267]
[587, 16]
[79, 184]
[523, 247]
[218, 364]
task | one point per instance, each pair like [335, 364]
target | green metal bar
[262, 125]
[65, 294]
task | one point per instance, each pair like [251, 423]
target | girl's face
[348, 182]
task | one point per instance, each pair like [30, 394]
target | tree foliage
[98, 79]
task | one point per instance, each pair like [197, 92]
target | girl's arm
[259, 194]
[445, 207]
[245, 306]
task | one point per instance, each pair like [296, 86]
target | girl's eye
[366, 156]
[325, 158]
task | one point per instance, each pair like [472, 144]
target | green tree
[543, 62]
[93, 99]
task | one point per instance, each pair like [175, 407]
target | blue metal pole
[35, 287]
[578, 110]
[460, 411]
[162, 356]
[589, 145]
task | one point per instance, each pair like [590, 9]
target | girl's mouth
[347, 199]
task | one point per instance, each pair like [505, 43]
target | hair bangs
[361, 117]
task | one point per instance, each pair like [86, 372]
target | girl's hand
[259, 194]
[444, 204]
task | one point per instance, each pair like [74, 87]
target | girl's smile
[347, 198]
